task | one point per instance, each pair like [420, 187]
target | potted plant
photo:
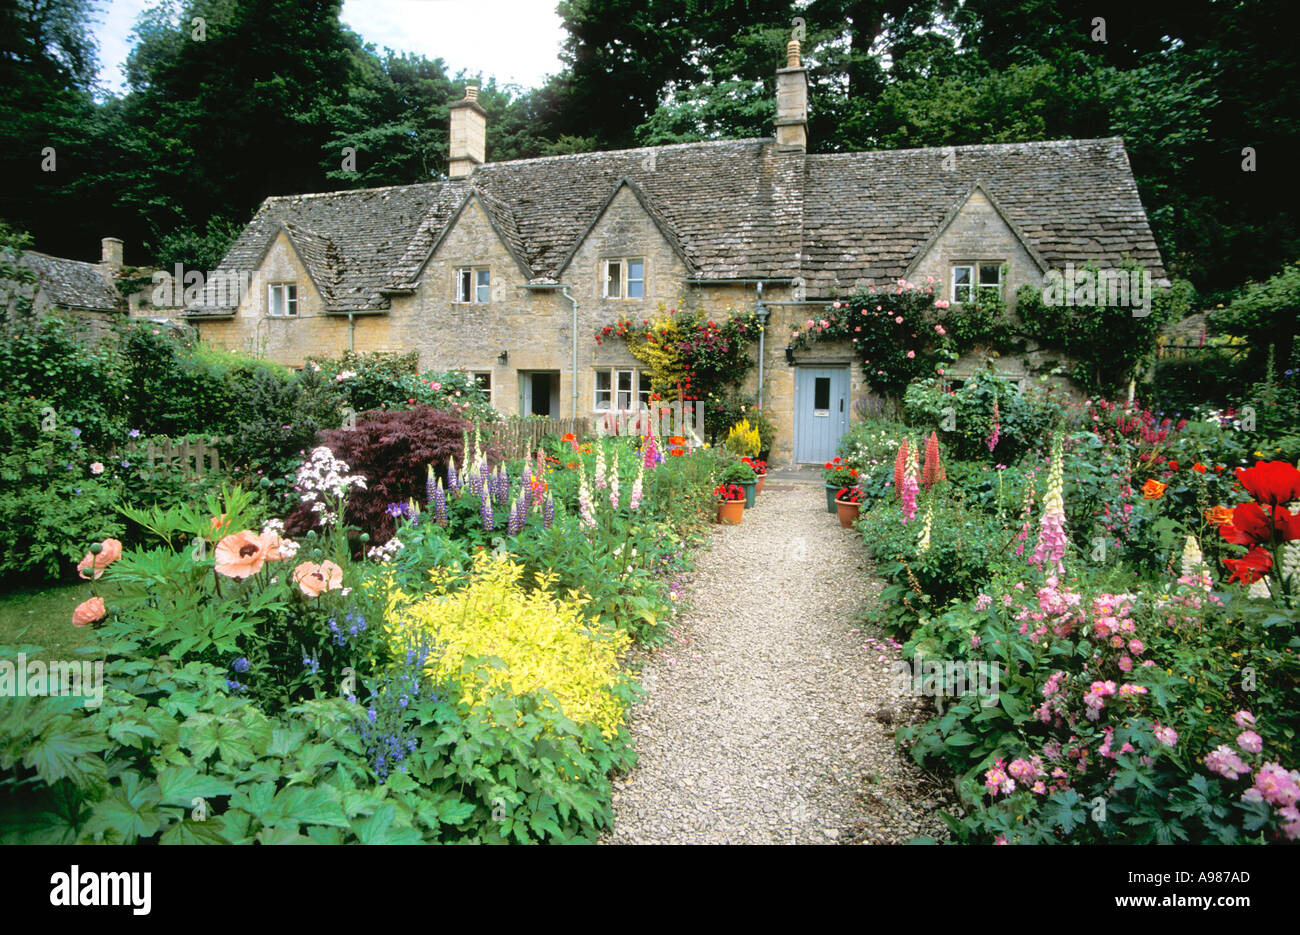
[742, 475]
[837, 474]
[760, 469]
[848, 502]
[731, 503]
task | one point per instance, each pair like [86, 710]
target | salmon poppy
[1153, 489]
[110, 550]
[241, 554]
[1198, 467]
[314, 580]
[1272, 482]
[88, 612]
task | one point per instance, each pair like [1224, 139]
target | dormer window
[473, 284]
[624, 279]
[282, 300]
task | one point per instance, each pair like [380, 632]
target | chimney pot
[792, 102]
[468, 133]
[792, 59]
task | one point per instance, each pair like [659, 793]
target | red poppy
[1272, 482]
[1173, 465]
[1251, 567]
[1198, 467]
[1250, 526]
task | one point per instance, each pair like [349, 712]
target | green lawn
[43, 617]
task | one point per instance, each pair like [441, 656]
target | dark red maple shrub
[392, 449]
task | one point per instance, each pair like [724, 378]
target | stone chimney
[468, 134]
[792, 102]
[110, 254]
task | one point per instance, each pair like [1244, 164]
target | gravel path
[770, 716]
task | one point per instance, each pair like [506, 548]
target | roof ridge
[971, 146]
[620, 152]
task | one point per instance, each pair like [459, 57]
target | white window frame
[288, 292]
[606, 399]
[473, 285]
[621, 268]
[969, 285]
[486, 377]
[976, 284]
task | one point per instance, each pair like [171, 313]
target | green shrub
[1025, 419]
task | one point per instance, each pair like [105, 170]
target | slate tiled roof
[735, 209]
[73, 283]
[867, 215]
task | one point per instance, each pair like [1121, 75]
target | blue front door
[821, 412]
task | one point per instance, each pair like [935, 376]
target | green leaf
[181, 785]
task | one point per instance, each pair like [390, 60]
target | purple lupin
[453, 479]
[485, 510]
[439, 504]
[548, 512]
[516, 521]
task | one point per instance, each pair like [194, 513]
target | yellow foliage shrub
[744, 440]
[542, 640]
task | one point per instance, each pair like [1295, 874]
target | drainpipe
[352, 333]
[564, 291]
[761, 311]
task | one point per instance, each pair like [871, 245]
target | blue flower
[241, 664]
[126, 463]
[134, 433]
[372, 714]
[76, 433]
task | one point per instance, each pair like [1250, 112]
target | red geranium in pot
[760, 470]
[848, 502]
[731, 503]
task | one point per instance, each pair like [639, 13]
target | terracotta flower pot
[759, 488]
[848, 512]
[730, 511]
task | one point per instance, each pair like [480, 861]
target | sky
[524, 49]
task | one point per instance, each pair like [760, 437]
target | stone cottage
[508, 269]
[88, 294]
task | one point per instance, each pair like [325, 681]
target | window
[624, 389]
[822, 393]
[282, 300]
[964, 281]
[473, 285]
[624, 279]
[484, 380]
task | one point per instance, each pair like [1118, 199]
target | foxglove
[613, 484]
[910, 486]
[635, 501]
[1050, 550]
[600, 466]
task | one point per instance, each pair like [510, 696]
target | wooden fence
[193, 456]
[519, 438]
[679, 418]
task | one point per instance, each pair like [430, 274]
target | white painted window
[473, 284]
[484, 379]
[621, 389]
[624, 279]
[962, 279]
[967, 277]
[282, 300]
